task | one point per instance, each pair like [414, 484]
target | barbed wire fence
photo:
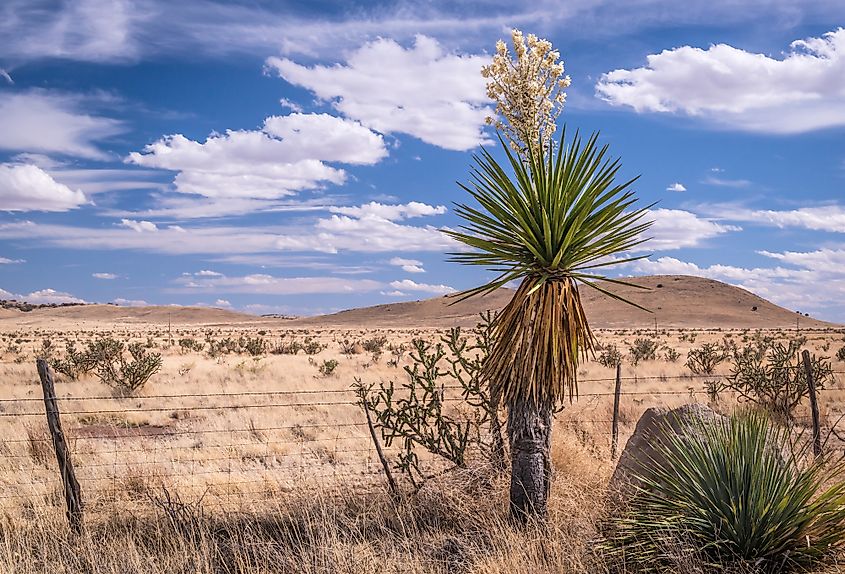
[118, 462]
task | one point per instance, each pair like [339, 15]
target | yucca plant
[549, 220]
[734, 492]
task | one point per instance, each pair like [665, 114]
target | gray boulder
[655, 426]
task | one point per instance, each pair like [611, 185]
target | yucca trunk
[532, 367]
[530, 435]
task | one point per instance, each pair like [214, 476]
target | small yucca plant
[734, 493]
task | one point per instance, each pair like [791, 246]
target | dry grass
[297, 488]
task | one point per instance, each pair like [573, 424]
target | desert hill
[675, 301]
[88, 315]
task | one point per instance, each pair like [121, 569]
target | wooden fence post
[614, 431]
[814, 403]
[73, 494]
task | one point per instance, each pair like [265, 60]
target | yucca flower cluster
[528, 90]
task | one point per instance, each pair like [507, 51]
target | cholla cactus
[528, 91]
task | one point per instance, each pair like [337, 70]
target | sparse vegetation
[643, 349]
[773, 377]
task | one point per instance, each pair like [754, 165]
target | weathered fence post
[73, 494]
[614, 431]
[814, 403]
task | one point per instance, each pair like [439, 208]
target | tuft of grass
[729, 492]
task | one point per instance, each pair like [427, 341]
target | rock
[652, 428]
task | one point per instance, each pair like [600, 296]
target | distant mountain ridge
[676, 301]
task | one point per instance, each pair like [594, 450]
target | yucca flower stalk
[552, 221]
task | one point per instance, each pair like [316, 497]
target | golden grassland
[269, 466]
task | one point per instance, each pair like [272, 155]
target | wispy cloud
[53, 123]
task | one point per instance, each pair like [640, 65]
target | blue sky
[301, 157]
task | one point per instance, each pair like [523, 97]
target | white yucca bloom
[528, 90]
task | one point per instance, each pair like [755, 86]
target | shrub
[75, 363]
[671, 355]
[125, 377]
[774, 378]
[840, 354]
[415, 414]
[312, 346]
[189, 344]
[375, 344]
[254, 346]
[287, 348]
[609, 356]
[643, 349]
[349, 348]
[328, 367]
[725, 490]
[705, 359]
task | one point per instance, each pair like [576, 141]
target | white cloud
[394, 293]
[7, 261]
[30, 188]
[270, 285]
[104, 276]
[47, 296]
[337, 233]
[88, 30]
[421, 91]
[46, 122]
[800, 92]
[208, 273]
[139, 226]
[222, 303]
[409, 285]
[826, 258]
[285, 157]
[391, 212]
[677, 229]
[822, 218]
[722, 182]
[678, 187]
[292, 106]
[408, 265]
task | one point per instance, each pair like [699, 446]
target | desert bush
[609, 356]
[312, 346]
[124, 377]
[226, 346]
[774, 378]
[327, 367]
[671, 354]
[418, 417]
[375, 344]
[254, 346]
[75, 363]
[349, 347]
[643, 349]
[725, 490]
[705, 359]
[284, 347]
[189, 344]
[840, 354]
